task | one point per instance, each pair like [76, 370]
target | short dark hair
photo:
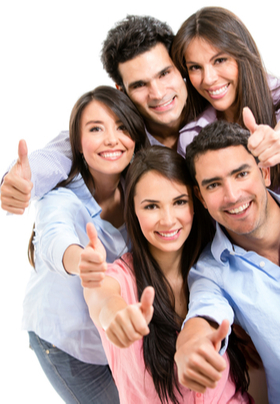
[215, 136]
[129, 38]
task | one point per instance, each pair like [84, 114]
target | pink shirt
[134, 383]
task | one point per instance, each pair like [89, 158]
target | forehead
[97, 111]
[199, 44]
[222, 162]
[146, 65]
[153, 185]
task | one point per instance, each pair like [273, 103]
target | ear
[266, 175]
[199, 196]
[120, 88]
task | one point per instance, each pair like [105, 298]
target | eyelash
[180, 202]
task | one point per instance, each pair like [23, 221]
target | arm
[123, 324]
[197, 354]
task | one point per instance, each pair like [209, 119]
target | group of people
[134, 288]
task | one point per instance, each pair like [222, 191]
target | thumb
[220, 334]
[146, 303]
[23, 160]
[92, 235]
[249, 120]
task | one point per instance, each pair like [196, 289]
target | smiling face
[156, 87]
[214, 74]
[106, 144]
[233, 189]
[165, 212]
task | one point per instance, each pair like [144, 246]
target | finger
[249, 120]
[92, 257]
[23, 159]
[92, 234]
[16, 186]
[220, 334]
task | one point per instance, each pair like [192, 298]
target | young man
[237, 278]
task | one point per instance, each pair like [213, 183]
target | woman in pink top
[167, 238]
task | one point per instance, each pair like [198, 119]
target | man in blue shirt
[237, 278]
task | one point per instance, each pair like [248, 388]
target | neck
[169, 262]
[105, 186]
[265, 241]
[168, 135]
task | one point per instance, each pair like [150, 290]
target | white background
[49, 57]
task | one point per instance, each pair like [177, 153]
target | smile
[219, 91]
[163, 106]
[169, 234]
[240, 209]
[111, 155]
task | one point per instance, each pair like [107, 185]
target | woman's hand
[17, 185]
[264, 141]
[131, 323]
[92, 265]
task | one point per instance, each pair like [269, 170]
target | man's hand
[131, 323]
[264, 141]
[197, 357]
[17, 185]
[92, 264]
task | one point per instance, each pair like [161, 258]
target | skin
[233, 189]
[158, 90]
[161, 206]
[214, 74]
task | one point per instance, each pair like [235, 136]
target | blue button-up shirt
[54, 306]
[230, 283]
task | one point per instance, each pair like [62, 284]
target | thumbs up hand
[130, 324]
[264, 141]
[197, 357]
[17, 185]
[92, 265]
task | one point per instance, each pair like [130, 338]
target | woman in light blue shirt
[105, 130]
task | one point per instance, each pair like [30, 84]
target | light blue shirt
[230, 283]
[54, 306]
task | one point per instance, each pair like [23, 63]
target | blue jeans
[75, 381]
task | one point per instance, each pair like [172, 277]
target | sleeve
[274, 85]
[55, 228]
[50, 165]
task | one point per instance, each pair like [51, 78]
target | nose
[231, 192]
[111, 137]
[157, 90]
[209, 75]
[167, 217]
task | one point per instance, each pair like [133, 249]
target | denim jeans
[75, 381]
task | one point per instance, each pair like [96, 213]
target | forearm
[195, 328]
[71, 259]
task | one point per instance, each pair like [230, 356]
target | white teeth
[167, 235]
[111, 154]
[220, 91]
[240, 209]
[163, 105]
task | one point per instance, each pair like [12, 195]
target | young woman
[224, 73]
[168, 228]
[105, 130]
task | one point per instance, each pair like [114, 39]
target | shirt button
[262, 264]
[198, 394]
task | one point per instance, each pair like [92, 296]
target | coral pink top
[134, 383]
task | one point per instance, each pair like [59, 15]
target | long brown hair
[125, 110]
[159, 345]
[225, 31]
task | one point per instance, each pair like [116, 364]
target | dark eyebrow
[212, 58]
[174, 199]
[137, 83]
[208, 181]
[100, 122]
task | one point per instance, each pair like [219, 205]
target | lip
[218, 92]
[164, 106]
[239, 210]
[111, 155]
[169, 235]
